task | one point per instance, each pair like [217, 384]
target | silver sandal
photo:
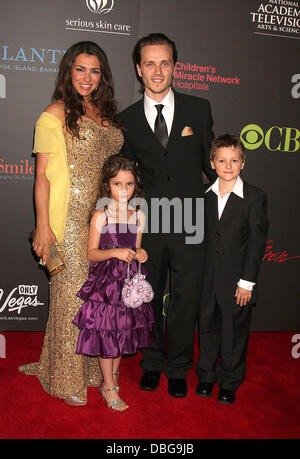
[74, 400]
[115, 405]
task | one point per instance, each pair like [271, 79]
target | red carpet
[267, 404]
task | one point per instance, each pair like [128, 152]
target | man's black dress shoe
[177, 387]
[204, 389]
[150, 380]
[227, 397]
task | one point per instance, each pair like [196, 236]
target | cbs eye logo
[275, 139]
[252, 136]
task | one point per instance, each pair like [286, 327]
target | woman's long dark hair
[103, 97]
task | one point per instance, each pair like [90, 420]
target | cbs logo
[275, 138]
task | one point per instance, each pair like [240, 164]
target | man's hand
[242, 296]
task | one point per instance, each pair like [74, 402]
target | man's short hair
[153, 39]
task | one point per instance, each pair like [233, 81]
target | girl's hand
[42, 239]
[141, 255]
[126, 255]
[243, 296]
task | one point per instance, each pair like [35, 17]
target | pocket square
[187, 130]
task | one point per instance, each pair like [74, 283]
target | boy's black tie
[160, 127]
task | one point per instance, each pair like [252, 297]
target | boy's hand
[141, 255]
[242, 296]
[126, 255]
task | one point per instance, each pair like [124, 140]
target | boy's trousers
[223, 341]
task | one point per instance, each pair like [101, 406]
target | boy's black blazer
[235, 244]
[177, 170]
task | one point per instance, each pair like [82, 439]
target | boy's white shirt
[238, 189]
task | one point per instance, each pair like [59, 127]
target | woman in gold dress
[73, 137]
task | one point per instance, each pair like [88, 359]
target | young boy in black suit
[236, 233]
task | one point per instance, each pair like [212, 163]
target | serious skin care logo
[100, 6]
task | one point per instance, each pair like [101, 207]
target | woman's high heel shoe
[74, 400]
[115, 405]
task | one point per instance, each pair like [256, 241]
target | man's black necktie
[160, 127]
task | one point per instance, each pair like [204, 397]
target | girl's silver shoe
[115, 405]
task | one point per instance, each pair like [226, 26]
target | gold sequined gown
[61, 371]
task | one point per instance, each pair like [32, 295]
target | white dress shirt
[222, 201]
[167, 111]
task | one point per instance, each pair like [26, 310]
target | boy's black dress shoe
[204, 389]
[177, 387]
[150, 380]
[227, 397]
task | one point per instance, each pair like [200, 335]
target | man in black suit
[236, 228]
[169, 135]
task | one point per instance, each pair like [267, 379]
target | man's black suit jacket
[235, 244]
[177, 170]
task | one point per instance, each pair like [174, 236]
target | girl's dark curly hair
[111, 167]
[102, 97]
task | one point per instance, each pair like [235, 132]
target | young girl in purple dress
[108, 328]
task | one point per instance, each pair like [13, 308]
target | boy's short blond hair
[227, 140]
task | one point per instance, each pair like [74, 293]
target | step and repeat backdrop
[242, 56]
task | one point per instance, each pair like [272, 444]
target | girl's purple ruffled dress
[107, 327]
